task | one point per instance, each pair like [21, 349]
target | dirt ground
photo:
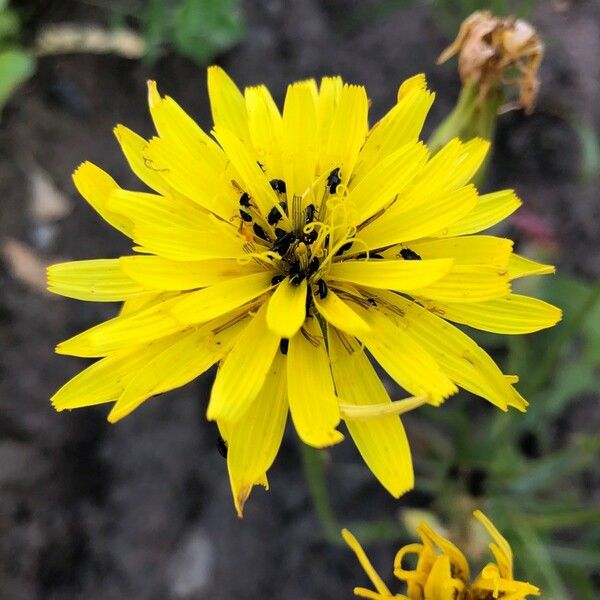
[142, 509]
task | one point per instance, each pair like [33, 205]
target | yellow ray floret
[442, 571]
[300, 248]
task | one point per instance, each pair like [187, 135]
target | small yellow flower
[282, 248]
[442, 571]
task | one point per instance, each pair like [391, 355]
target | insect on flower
[289, 306]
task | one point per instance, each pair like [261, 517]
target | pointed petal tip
[153, 93]
[116, 414]
[240, 496]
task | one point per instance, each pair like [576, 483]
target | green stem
[456, 122]
[314, 471]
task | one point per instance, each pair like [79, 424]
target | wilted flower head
[285, 246]
[494, 51]
[442, 571]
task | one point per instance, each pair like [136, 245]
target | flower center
[301, 235]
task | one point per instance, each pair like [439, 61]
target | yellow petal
[287, 308]
[440, 583]
[266, 129]
[183, 360]
[180, 131]
[410, 364]
[347, 130]
[144, 209]
[416, 82]
[460, 565]
[311, 393]
[402, 275]
[194, 176]
[133, 146]
[401, 125]
[185, 243]
[381, 442]
[519, 266]
[100, 280]
[143, 326]
[467, 364]
[227, 104]
[254, 440]
[368, 412]
[253, 180]
[398, 225]
[365, 563]
[330, 91]
[489, 210]
[221, 298]
[469, 283]
[244, 370]
[160, 273]
[143, 301]
[467, 250]
[387, 179]
[299, 137]
[105, 380]
[339, 314]
[503, 553]
[512, 315]
[436, 176]
[473, 155]
[96, 186]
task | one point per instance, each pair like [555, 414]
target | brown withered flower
[494, 52]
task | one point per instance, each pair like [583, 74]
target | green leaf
[9, 25]
[572, 380]
[536, 557]
[573, 516]
[15, 67]
[544, 473]
[157, 23]
[205, 28]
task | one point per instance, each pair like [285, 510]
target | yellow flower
[442, 571]
[282, 248]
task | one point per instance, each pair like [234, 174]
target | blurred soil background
[142, 509]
